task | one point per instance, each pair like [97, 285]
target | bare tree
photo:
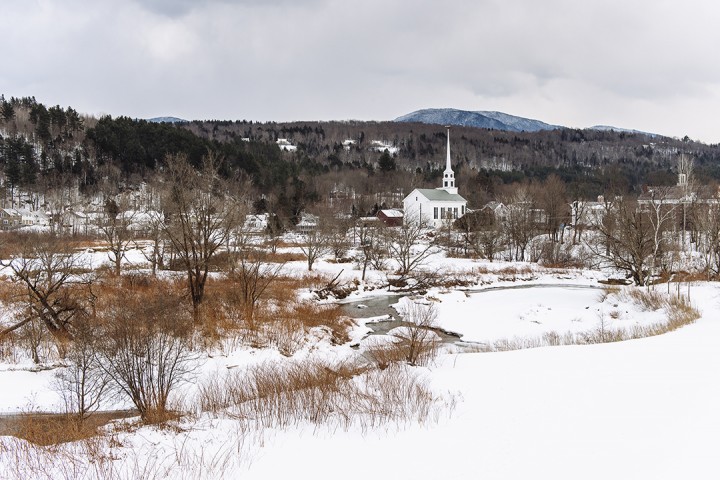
[154, 228]
[551, 196]
[707, 221]
[253, 275]
[626, 240]
[372, 251]
[116, 232]
[201, 217]
[579, 210]
[660, 213]
[406, 246]
[337, 235]
[83, 383]
[314, 241]
[519, 224]
[50, 275]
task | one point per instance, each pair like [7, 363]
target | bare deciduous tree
[51, 277]
[314, 243]
[520, 224]
[201, 218]
[626, 240]
[116, 232]
[551, 197]
[406, 246]
[253, 275]
[372, 251]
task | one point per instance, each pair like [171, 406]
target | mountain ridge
[480, 119]
[495, 120]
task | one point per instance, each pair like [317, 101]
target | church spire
[448, 174]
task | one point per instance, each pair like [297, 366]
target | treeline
[44, 146]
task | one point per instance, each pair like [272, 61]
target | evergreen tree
[386, 163]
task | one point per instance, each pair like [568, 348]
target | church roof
[439, 195]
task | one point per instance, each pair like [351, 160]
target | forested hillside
[49, 148]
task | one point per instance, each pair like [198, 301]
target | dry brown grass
[278, 320]
[382, 354]
[647, 300]
[508, 271]
[53, 429]
[282, 257]
[271, 396]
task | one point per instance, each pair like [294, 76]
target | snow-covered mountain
[166, 120]
[481, 119]
[608, 128]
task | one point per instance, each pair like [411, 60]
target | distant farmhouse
[436, 206]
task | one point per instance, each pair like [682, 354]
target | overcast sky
[641, 64]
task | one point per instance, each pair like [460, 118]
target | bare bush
[145, 349]
[418, 338]
[83, 383]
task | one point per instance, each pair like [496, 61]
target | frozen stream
[492, 313]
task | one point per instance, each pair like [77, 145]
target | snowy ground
[644, 408]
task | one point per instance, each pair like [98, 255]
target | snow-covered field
[645, 408]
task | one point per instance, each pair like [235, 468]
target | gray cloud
[646, 65]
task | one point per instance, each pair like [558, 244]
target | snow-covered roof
[392, 213]
[437, 195]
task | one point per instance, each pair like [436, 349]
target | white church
[436, 206]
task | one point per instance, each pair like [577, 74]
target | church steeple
[448, 175]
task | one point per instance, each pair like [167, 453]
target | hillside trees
[139, 145]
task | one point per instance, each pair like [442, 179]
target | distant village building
[75, 222]
[584, 214]
[308, 223]
[20, 217]
[494, 211]
[436, 206]
[284, 144]
[10, 218]
[391, 217]
[256, 223]
[348, 144]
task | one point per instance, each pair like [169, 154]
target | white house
[436, 206]
[21, 217]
